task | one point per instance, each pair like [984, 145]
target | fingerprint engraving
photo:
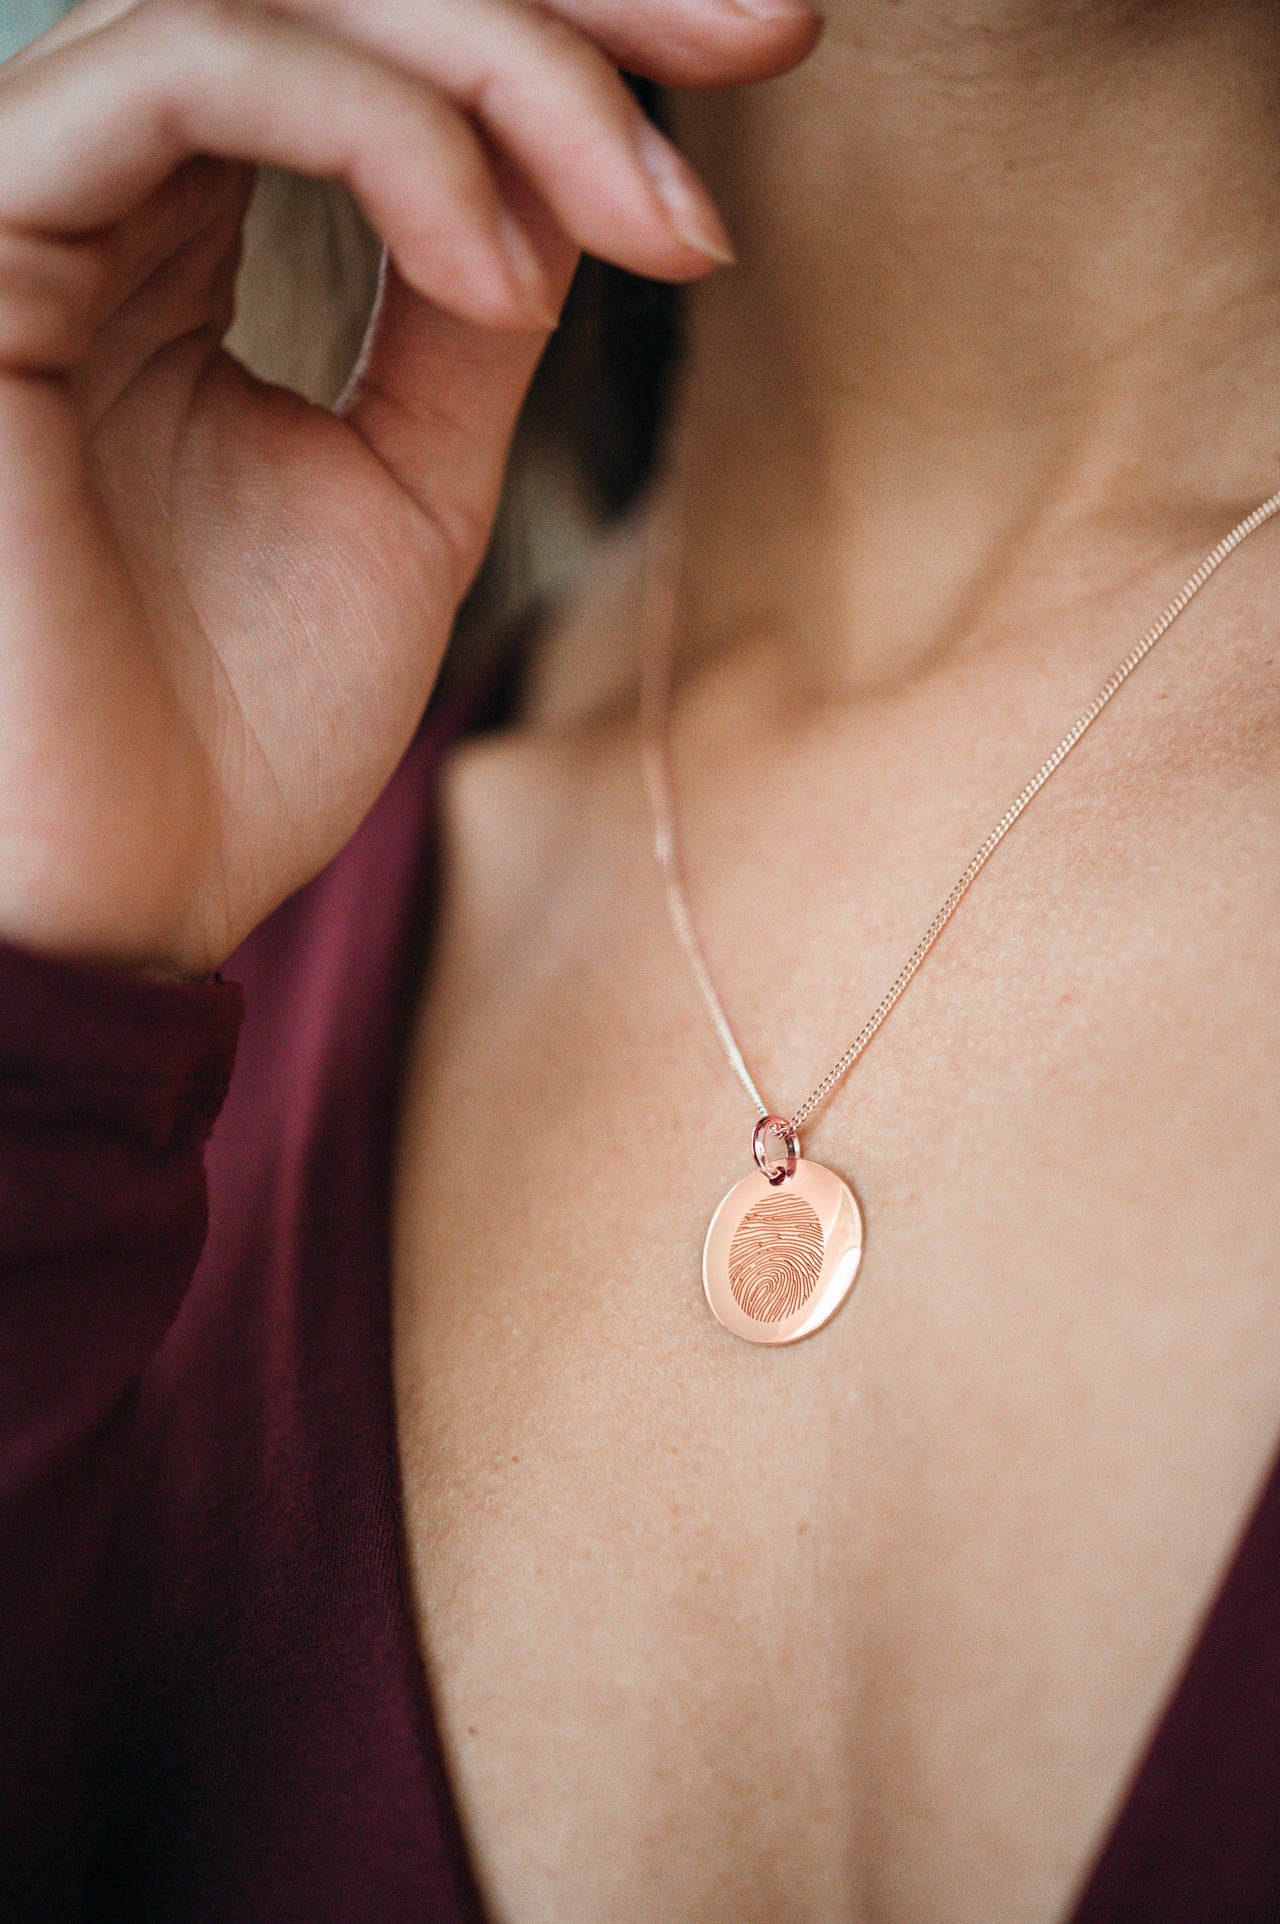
[775, 1257]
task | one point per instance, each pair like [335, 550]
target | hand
[221, 609]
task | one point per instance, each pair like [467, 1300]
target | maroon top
[212, 1705]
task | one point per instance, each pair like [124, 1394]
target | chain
[654, 698]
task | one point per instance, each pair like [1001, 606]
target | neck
[1005, 311]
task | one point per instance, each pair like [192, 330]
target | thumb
[436, 398]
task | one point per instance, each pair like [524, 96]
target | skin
[205, 680]
[873, 1628]
[876, 1628]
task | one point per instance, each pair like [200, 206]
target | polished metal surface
[776, 1170]
[780, 1258]
[784, 1246]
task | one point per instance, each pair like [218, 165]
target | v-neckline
[1210, 1765]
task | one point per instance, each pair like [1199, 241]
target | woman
[435, 1552]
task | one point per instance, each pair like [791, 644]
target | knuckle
[560, 52]
[52, 294]
[185, 45]
[576, 56]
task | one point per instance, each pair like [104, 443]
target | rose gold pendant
[784, 1246]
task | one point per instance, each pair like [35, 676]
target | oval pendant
[781, 1256]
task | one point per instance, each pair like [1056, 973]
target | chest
[874, 1626]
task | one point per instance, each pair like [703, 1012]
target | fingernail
[529, 283]
[678, 188]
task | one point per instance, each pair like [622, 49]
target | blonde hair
[308, 277]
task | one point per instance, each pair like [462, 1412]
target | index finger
[697, 43]
[679, 43]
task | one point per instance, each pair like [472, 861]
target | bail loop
[775, 1172]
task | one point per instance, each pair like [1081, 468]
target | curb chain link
[655, 688]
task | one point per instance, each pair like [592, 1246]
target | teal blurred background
[22, 20]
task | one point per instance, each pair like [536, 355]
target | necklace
[783, 1248]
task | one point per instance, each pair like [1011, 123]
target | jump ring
[775, 1172]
